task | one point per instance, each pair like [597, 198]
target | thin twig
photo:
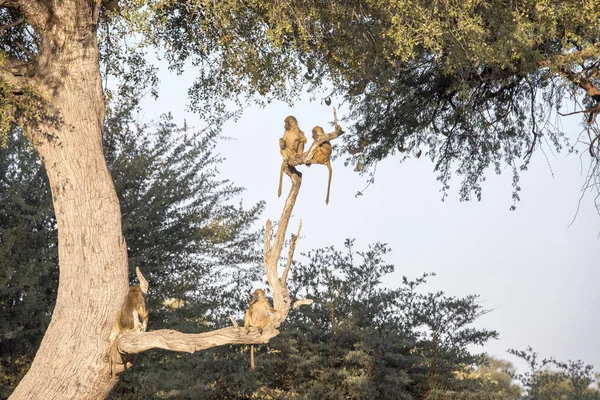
[11, 25]
[233, 321]
[596, 108]
[24, 50]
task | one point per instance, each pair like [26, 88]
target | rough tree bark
[72, 361]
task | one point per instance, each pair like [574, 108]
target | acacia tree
[459, 80]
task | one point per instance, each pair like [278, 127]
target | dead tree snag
[130, 343]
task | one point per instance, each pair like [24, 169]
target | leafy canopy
[473, 84]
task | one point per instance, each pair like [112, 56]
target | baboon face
[258, 294]
[290, 123]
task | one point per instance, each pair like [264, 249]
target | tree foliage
[359, 340]
[550, 379]
[28, 256]
[474, 85]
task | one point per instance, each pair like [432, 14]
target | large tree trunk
[72, 361]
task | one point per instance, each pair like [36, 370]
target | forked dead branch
[130, 343]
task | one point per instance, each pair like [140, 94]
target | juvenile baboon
[322, 155]
[132, 316]
[257, 316]
[258, 313]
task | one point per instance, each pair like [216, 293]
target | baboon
[291, 144]
[257, 316]
[322, 155]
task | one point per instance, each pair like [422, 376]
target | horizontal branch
[167, 339]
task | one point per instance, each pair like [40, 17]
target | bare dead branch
[291, 254]
[275, 251]
[143, 281]
[233, 321]
[167, 339]
[137, 342]
[302, 302]
[268, 228]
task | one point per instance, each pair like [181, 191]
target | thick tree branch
[137, 342]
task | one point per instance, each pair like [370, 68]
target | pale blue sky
[537, 274]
